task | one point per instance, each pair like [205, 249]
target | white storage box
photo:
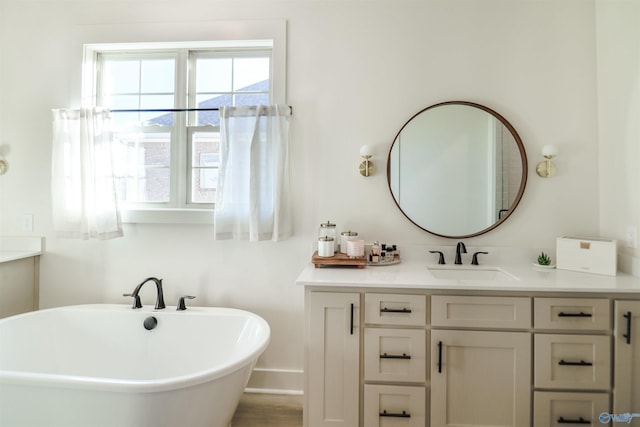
[588, 255]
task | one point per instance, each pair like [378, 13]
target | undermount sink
[470, 272]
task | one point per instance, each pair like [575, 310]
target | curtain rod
[172, 110]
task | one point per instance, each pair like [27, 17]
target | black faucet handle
[181, 305]
[474, 260]
[440, 258]
[136, 300]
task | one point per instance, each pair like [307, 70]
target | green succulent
[544, 259]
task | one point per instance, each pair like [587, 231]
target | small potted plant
[544, 261]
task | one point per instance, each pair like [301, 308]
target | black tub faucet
[136, 297]
[460, 249]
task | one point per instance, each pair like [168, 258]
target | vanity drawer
[395, 309]
[572, 314]
[481, 312]
[394, 406]
[581, 362]
[397, 355]
[561, 409]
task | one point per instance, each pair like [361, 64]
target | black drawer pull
[580, 363]
[627, 336]
[404, 414]
[395, 310]
[570, 421]
[351, 321]
[581, 314]
[439, 357]
[403, 356]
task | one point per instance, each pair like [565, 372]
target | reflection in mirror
[457, 169]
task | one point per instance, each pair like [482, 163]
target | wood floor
[268, 410]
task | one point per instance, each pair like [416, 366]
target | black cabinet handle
[570, 421]
[581, 314]
[580, 363]
[402, 356]
[395, 310]
[439, 357]
[351, 325]
[628, 334]
[404, 414]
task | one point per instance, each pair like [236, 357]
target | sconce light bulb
[549, 151]
[365, 151]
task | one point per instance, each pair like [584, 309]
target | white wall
[357, 70]
[618, 50]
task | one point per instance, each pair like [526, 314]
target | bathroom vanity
[19, 274]
[407, 345]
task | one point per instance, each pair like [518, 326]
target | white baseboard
[275, 381]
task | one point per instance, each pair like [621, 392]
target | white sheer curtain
[83, 189]
[252, 200]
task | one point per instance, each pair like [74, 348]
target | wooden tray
[338, 260]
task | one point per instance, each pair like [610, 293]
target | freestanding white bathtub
[97, 365]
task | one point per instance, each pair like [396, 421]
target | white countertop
[17, 247]
[413, 273]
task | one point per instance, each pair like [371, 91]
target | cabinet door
[626, 392]
[473, 370]
[18, 286]
[333, 338]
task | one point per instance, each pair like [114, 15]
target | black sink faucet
[136, 296]
[460, 249]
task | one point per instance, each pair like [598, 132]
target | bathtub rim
[133, 385]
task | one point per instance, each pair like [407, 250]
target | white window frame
[221, 34]
[181, 167]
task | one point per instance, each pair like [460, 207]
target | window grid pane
[158, 76]
[205, 159]
[249, 74]
[142, 164]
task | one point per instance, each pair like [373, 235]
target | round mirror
[457, 169]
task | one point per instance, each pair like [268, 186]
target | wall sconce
[367, 168]
[546, 168]
[4, 165]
